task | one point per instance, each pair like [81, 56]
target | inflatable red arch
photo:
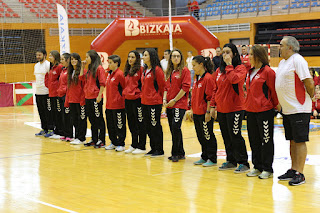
[184, 27]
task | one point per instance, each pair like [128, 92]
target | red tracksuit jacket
[114, 87]
[149, 94]
[316, 105]
[63, 83]
[133, 86]
[261, 92]
[202, 93]
[228, 93]
[91, 90]
[175, 83]
[75, 94]
[52, 80]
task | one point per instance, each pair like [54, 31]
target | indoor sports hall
[41, 174]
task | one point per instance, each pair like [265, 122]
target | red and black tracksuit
[153, 84]
[316, 107]
[64, 118]
[75, 100]
[228, 98]
[259, 104]
[132, 95]
[201, 94]
[177, 81]
[115, 107]
[93, 109]
[52, 82]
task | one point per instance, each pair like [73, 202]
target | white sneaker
[138, 151]
[279, 116]
[265, 175]
[120, 148]
[131, 149]
[54, 136]
[76, 142]
[253, 173]
[110, 147]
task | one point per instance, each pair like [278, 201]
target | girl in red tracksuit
[153, 84]
[200, 106]
[259, 104]
[115, 107]
[175, 99]
[228, 98]
[52, 82]
[132, 93]
[64, 112]
[94, 83]
[316, 105]
[75, 99]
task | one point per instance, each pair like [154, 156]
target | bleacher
[82, 9]
[6, 11]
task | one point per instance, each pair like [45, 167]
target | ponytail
[206, 61]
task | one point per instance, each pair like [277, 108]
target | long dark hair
[260, 54]
[75, 78]
[66, 57]
[154, 60]
[95, 63]
[170, 64]
[206, 61]
[131, 70]
[235, 60]
[56, 56]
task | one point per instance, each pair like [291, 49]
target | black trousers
[42, 101]
[116, 125]
[79, 120]
[59, 118]
[230, 126]
[67, 129]
[135, 123]
[175, 117]
[95, 114]
[260, 131]
[151, 117]
[52, 108]
[206, 137]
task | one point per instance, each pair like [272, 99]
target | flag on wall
[63, 30]
[24, 94]
[6, 95]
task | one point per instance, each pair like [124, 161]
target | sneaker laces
[240, 166]
[225, 164]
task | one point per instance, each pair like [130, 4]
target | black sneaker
[297, 179]
[175, 158]
[149, 153]
[180, 157]
[288, 175]
[157, 154]
[90, 143]
[227, 166]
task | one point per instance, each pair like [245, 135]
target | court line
[39, 201]
[168, 173]
[45, 153]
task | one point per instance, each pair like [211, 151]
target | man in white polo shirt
[295, 88]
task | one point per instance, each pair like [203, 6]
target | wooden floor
[45, 175]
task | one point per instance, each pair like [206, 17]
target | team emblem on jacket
[153, 117]
[177, 76]
[120, 124]
[206, 130]
[96, 109]
[148, 76]
[54, 72]
[48, 104]
[82, 112]
[236, 124]
[113, 78]
[136, 75]
[257, 76]
[199, 85]
[140, 118]
[176, 115]
[266, 131]
[218, 76]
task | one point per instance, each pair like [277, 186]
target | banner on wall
[63, 30]
[149, 28]
[6, 95]
[24, 94]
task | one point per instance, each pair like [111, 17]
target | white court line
[41, 202]
[167, 173]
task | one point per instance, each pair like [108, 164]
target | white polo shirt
[40, 71]
[292, 94]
